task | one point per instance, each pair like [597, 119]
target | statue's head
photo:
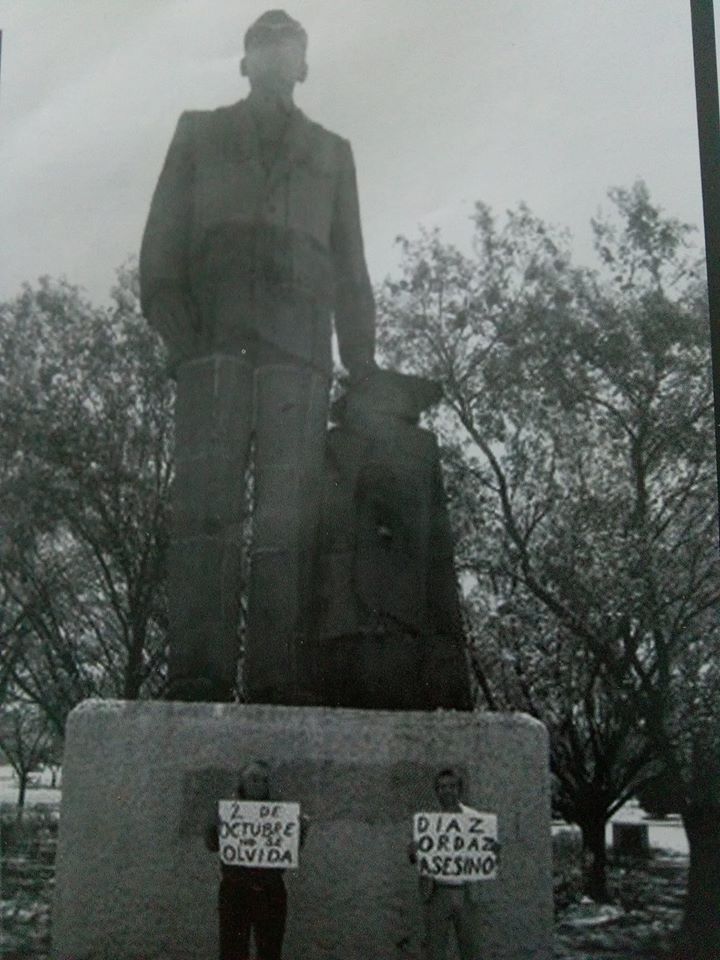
[275, 49]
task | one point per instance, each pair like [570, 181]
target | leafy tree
[598, 757]
[85, 439]
[657, 797]
[25, 741]
[578, 425]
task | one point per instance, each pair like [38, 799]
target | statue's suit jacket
[264, 253]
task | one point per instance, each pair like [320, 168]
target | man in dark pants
[252, 245]
[251, 900]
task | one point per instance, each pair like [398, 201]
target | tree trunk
[700, 932]
[593, 835]
[133, 668]
[22, 787]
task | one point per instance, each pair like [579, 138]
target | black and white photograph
[359, 542]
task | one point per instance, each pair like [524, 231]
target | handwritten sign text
[254, 834]
[456, 846]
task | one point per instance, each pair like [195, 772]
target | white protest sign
[456, 846]
[259, 834]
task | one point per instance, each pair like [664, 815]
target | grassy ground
[637, 925]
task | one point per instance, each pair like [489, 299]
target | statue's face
[275, 66]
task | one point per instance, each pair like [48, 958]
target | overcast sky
[446, 103]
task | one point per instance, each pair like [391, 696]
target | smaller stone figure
[450, 902]
[251, 900]
[388, 629]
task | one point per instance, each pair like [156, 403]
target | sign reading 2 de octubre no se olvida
[259, 834]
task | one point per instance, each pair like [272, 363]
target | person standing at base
[449, 903]
[250, 899]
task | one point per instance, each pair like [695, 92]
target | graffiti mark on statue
[456, 845]
[259, 834]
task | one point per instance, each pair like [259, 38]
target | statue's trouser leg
[221, 401]
[290, 428]
[213, 418]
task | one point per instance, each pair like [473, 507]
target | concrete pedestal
[141, 779]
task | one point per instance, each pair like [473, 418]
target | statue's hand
[175, 319]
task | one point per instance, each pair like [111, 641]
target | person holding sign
[257, 839]
[452, 848]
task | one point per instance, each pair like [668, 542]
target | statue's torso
[261, 233]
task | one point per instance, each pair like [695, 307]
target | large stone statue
[251, 251]
[252, 244]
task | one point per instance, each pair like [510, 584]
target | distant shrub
[660, 796]
[629, 887]
[36, 829]
[567, 853]
[27, 844]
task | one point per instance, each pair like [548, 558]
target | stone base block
[141, 780]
